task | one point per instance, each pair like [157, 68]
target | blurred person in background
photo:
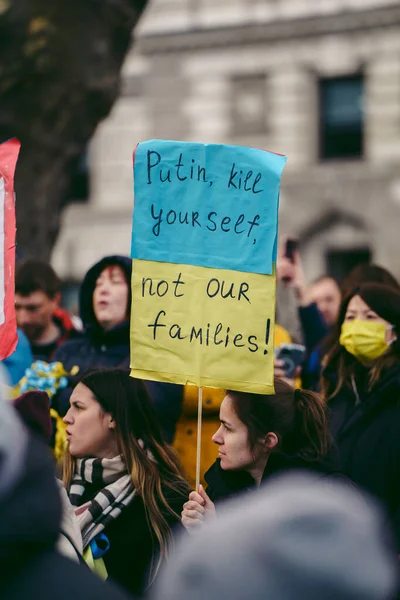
[124, 481]
[317, 304]
[325, 293]
[30, 509]
[105, 306]
[37, 307]
[361, 383]
[259, 437]
[297, 540]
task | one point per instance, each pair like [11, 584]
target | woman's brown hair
[297, 417]
[154, 468]
[384, 300]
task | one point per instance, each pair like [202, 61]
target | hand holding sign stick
[199, 421]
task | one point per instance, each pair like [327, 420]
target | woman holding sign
[261, 436]
[185, 436]
[123, 480]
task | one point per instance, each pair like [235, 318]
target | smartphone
[292, 356]
[292, 245]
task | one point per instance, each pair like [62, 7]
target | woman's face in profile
[232, 438]
[90, 431]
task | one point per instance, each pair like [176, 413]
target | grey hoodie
[299, 538]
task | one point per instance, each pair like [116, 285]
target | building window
[341, 117]
[249, 104]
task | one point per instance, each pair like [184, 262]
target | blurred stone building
[316, 80]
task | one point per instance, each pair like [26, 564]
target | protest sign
[203, 247]
[210, 206]
[202, 326]
[8, 327]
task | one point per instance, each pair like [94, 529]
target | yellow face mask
[366, 340]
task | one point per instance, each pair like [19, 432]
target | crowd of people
[300, 490]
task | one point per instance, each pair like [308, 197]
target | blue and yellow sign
[203, 248]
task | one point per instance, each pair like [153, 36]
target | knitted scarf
[116, 492]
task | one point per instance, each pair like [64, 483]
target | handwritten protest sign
[203, 282]
[202, 326]
[8, 327]
[210, 206]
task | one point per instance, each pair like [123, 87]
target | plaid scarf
[116, 492]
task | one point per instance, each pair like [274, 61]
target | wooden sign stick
[199, 420]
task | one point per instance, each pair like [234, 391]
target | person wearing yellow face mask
[361, 382]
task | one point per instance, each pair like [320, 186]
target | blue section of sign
[206, 205]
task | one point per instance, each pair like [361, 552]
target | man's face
[34, 313]
[326, 295]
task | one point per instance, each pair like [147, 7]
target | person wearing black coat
[262, 436]
[30, 508]
[222, 485]
[361, 381]
[122, 479]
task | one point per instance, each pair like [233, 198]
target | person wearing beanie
[30, 510]
[361, 382]
[298, 539]
[34, 409]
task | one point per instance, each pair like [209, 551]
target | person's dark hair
[367, 273]
[385, 301]
[153, 464]
[35, 275]
[297, 417]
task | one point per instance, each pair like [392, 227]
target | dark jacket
[133, 545]
[68, 332]
[313, 326]
[96, 347]
[315, 331]
[30, 509]
[367, 433]
[226, 484]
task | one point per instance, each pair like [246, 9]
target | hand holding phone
[292, 356]
[286, 263]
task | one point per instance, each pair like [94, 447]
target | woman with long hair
[361, 382]
[123, 480]
[259, 437]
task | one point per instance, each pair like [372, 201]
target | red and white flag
[8, 325]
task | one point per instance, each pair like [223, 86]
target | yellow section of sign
[202, 326]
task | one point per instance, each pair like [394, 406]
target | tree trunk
[60, 65]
